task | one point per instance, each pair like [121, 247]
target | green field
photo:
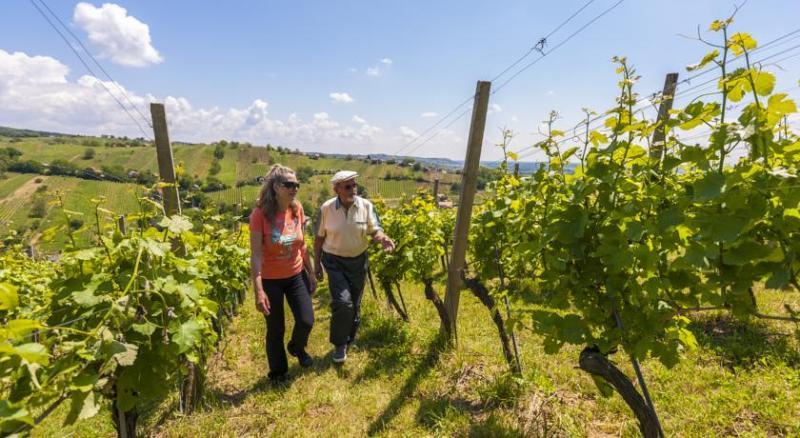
[241, 163]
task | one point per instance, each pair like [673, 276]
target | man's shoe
[340, 353]
[301, 355]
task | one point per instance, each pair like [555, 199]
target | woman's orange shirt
[282, 246]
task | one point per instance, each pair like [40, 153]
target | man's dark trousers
[346, 281]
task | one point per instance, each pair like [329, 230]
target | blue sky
[349, 76]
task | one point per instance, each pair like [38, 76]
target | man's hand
[262, 302]
[318, 271]
[386, 242]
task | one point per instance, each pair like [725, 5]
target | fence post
[658, 145]
[516, 169]
[166, 165]
[121, 224]
[465, 200]
[436, 191]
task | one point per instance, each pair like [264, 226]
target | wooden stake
[516, 170]
[166, 165]
[121, 224]
[465, 200]
[657, 147]
[436, 191]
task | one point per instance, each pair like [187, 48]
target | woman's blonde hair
[268, 199]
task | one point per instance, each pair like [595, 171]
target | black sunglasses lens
[291, 185]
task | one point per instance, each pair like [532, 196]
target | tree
[219, 151]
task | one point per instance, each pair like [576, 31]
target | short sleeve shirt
[347, 231]
[282, 245]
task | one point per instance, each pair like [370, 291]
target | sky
[353, 76]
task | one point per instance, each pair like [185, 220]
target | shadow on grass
[387, 343]
[744, 343]
[264, 384]
[405, 393]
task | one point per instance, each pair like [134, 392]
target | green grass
[399, 381]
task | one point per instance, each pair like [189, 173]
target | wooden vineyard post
[121, 224]
[516, 169]
[465, 201]
[658, 145]
[166, 165]
[436, 191]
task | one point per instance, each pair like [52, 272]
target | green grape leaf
[597, 138]
[779, 105]
[86, 297]
[745, 252]
[8, 296]
[31, 352]
[84, 405]
[14, 412]
[84, 382]
[706, 59]
[187, 335]
[18, 328]
[146, 328]
[778, 279]
[709, 187]
[176, 224]
[741, 42]
[124, 354]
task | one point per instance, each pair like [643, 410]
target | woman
[278, 258]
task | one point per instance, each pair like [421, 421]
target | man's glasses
[349, 186]
[290, 185]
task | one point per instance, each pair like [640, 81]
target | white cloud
[352, 70]
[35, 92]
[551, 93]
[380, 68]
[120, 37]
[408, 133]
[495, 108]
[429, 114]
[514, 119]
[338, 97]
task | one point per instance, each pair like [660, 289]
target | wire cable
[63, 37]
[116, 84]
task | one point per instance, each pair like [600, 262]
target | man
[346, 225]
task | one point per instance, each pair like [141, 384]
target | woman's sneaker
[340, 353]
[301, 355]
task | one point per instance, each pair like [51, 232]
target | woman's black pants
[296, 293]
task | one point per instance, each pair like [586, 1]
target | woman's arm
[262, 302]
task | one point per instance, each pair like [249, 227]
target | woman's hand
[262, 302]
[318, 271]
[312, 283]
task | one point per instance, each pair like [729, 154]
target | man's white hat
[343, 175]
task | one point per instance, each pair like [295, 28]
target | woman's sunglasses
[291, 185]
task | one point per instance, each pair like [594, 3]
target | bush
[88, 154]
[38, 209]
[41, 189]
[27, 166]
[38, 180]
[215, 167]
[304, 173]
